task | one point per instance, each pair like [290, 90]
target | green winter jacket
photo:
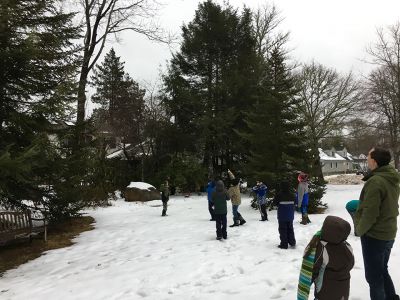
[377, 213]
[219, 198]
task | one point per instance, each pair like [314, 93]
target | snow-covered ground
[134, 253]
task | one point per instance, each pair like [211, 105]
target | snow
[134, 253]
[118, 153]
[140, 185]
[324, 156]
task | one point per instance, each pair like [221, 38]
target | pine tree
[38, 64]
[121, 100]
[211, 83]
[275, 135]
[108, 79]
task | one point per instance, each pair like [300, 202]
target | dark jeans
[220, 224]
[211, 210]
[376, 254]
[263, 211]
[235, 209]
[286, 234]
[165, 207]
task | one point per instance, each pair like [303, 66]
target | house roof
[335, 157]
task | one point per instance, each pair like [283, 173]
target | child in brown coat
[327, 262]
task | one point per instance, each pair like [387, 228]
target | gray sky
[332, 32]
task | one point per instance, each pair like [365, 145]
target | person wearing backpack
[327, 262]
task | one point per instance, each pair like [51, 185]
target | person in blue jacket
[285, 200]
[210, 190]
[261, 191]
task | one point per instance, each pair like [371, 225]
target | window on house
[331, 165]
[336, 165]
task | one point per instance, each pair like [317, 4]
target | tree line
[232, 97]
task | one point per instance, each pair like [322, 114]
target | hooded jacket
[164, 189]
[219, 198]
[377, 212]
[333, 261]
[210, 189]
[261, 192]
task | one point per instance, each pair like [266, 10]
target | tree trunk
[316, 164]
[80, 118]
[4, 40]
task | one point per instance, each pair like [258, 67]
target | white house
[340, 161]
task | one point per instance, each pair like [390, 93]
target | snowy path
[135, 254]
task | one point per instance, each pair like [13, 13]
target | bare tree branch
[266, 22]
[105, 17]
[327, 99]
[382, 87]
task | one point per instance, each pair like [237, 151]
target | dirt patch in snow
[344, 179]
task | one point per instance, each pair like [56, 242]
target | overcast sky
[332, 32]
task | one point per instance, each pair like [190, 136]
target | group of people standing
[285, 200]
[218, 196]
[328, 257]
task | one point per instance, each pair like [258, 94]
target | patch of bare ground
[59, 236]
[344, 179]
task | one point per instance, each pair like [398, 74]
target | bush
[317, 189]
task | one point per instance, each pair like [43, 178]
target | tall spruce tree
[121, 100]
[38, 64]
[275, 135]
[211, 83]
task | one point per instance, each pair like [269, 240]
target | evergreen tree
[276, 135]
[38, 65]
[211, 83]
[120, 98]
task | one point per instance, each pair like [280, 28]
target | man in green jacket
[376, 222]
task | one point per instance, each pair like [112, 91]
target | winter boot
[241, 220]
[164, 213]
[304, 219]
[235, 223]
[308, 219]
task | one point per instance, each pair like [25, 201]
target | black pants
[165, 205]
[263, 211]
[286, 234]
[220, 224]
[211, 210]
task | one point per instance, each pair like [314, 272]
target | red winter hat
[302, 177]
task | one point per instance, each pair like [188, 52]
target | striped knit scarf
[306, 271]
